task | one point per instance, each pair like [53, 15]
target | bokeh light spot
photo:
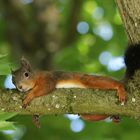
[116, 64]
[26, 1]
[77, 125]
[72, 116]
[105, 57]
[89, 6]
[104, 31]
[82, 27]
[98, 13]
[8, 82]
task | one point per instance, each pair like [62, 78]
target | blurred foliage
[67, 35]
[6, 125]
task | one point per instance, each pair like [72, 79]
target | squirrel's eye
[26, 74]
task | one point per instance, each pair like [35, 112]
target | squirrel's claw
[24, 105]
[122, 98]
[26, 101]
[121, 94]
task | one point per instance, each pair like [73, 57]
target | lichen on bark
[77, 101]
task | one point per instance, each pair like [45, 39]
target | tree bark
[130, 14]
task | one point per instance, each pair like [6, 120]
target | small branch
[75, 101]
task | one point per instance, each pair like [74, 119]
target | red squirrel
[39, 83]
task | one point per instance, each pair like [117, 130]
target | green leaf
[5, 125]
[4, 69]
[4, 65]
[5, 116]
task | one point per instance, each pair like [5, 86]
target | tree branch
[76, 101]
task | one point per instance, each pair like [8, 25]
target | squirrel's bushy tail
[132, 60]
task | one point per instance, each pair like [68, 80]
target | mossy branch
[76, 101]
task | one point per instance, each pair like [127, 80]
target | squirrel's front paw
[122, 97]
[24, 104]
[26, 101]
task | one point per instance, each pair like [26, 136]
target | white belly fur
[69, 85]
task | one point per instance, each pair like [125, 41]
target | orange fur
[45, 82]
[94, 117]
[42, 83]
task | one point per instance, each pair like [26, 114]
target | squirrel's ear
[25, 63]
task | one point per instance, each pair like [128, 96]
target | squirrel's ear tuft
[25, 63]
